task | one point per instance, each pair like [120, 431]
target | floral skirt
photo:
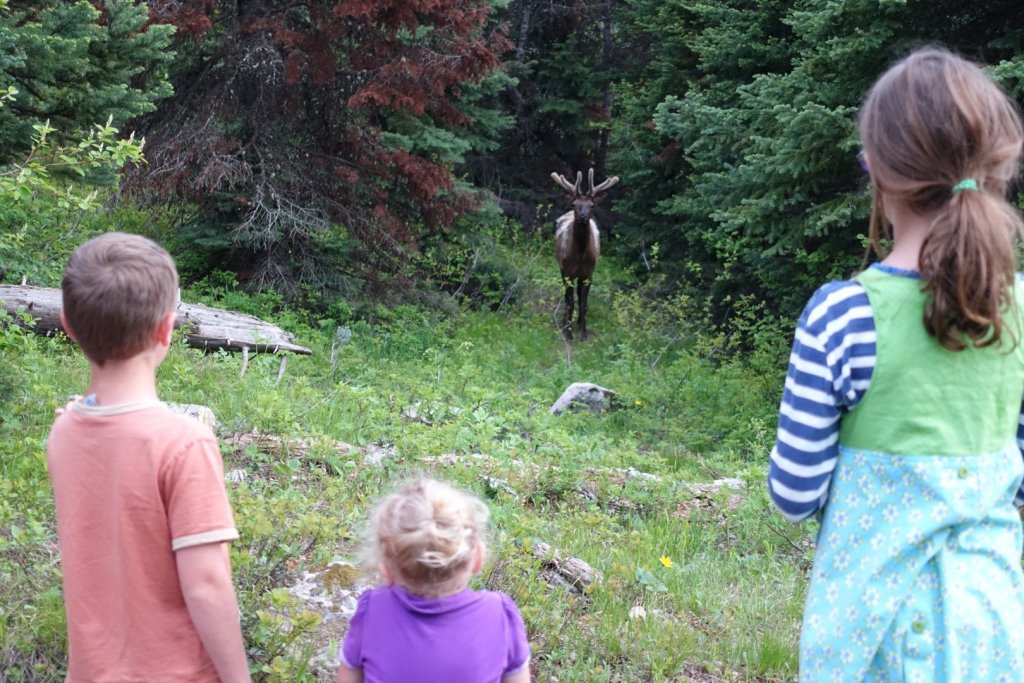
[917, 575]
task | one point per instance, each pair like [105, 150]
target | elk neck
[581, 232]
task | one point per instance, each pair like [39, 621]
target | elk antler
[566, 185]
[603, 186]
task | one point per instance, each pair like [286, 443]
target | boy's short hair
[116, 289]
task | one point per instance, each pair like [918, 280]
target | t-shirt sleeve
[198, 511]
[517, 645]
[352, 647]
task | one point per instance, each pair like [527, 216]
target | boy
[142, 515]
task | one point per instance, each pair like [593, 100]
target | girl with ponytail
[902, 405]
[426, 624]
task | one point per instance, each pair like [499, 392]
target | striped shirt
[830, 370]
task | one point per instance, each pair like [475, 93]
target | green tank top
[926, 399]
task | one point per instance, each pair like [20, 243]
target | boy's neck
[119, 382]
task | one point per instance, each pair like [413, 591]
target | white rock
[201, 413]
[637, 612]
[582, 395]
[375, 455]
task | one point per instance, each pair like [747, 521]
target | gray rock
[375, 455]
[583, 395]
[201, 413]
[330, 591]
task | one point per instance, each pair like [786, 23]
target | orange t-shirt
[133, 484]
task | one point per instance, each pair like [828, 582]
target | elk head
[583, 203]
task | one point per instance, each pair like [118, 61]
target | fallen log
[296, 447]
[207, 327]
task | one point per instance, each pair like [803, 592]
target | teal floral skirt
[917, 575]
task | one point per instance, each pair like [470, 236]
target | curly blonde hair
[426, 534]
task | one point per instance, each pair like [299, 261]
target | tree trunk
[524, 30]
[606, 64]
[208, 327]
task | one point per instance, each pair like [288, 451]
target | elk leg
[567, 318]
[584, 289]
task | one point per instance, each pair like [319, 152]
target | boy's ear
[64, 324]
[165, 328]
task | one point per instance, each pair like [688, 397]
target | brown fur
[578, 245]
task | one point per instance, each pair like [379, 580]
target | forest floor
[694, 581]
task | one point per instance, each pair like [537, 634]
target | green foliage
[40, 172]
[32, 627]
[561, 70]
[74, 66]
[738, 141]
[486, 260]
[480, 383]
[45, 214]
[423, 137]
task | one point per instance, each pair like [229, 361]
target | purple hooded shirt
[470, 637]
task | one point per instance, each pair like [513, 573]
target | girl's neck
[909, 230]
[445, 591]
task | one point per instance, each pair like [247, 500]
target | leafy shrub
[482, 264]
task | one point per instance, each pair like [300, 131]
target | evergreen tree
[563, 62]
[747, 157]
[75, 65]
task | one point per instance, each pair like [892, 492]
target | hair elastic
[966, 184]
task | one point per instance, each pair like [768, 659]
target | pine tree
[748, 154]
[75, 66]
[563, 64]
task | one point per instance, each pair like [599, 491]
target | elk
[578, 244]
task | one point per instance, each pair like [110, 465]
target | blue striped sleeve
[1018, 500]
[830, 369]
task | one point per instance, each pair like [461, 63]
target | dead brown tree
[578, 244]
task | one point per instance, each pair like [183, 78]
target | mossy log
[296, 447]
[206, 327]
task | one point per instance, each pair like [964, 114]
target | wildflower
[666, 560]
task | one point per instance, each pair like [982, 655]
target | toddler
[425, 625]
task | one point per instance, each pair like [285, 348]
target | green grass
[691, 409]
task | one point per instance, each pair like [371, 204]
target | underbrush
[695, 583]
